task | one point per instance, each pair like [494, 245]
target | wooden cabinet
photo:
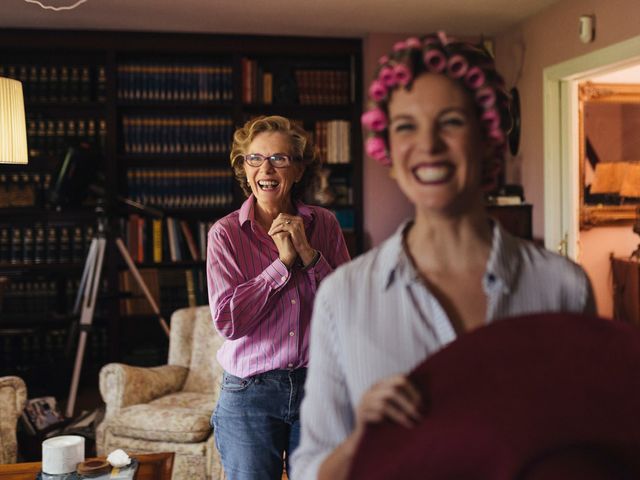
[516, 219]
[626, 290]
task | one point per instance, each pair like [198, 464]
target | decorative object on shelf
[13, 126]
[324, 195]
[57, 9]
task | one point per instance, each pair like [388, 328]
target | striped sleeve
[326, 409]
[335, 248]
[238, 305]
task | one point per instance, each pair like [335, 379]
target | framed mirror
[609, 153]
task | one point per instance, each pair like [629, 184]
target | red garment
[537, 397]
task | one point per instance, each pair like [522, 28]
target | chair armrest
[16, 391]
[123, 385]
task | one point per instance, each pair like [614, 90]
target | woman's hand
[293, 226]
[286, 252]
[393, 398]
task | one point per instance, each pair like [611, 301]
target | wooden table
[153, 466]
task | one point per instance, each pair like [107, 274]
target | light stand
[85, 303]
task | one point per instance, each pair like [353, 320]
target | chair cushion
[204, 370]
[179, 417]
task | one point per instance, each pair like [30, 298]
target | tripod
[85, 302]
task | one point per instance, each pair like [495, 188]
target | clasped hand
[287, 232]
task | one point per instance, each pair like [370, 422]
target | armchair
[168, 408]
[13, 395]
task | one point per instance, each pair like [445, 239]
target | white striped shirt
[374, 318]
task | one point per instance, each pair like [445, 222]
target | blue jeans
[256, 421]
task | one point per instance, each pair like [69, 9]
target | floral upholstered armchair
[13, 395]
[167, 408]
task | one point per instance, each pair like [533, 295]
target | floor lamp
[13, 126]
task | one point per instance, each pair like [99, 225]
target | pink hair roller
[491, 119]
[402, 73]
[413, 42]
[377, 91]
[435, 60]
[377, 149]
[399, 46]
[387, 76]
[474, 78]
[497, 135]
[457, 66]
[486, 97]
[374, 120]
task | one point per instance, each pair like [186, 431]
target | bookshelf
[161, 107]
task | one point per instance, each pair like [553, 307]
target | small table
[153, 466]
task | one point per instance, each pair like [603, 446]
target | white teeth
[432, 173]
[268, 184]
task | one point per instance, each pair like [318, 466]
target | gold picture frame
[609, 153]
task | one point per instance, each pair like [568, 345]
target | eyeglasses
[277, 160]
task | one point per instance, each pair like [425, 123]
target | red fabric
[524, 398]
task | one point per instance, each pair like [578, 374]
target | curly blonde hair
[302, 151]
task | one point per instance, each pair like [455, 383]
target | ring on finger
[287, 222]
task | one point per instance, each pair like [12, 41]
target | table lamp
[13, 127]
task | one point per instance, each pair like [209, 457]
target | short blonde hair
[302, 151]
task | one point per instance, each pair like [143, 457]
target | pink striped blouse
[260, 307]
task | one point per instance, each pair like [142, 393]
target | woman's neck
[266, 214]
[440, 243]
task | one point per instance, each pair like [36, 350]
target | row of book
[26, 353]
[59, 83]
[155, 240]
[28, 298]
[257, 85]
[323, 87]
[52, 136]
[181, 188]
[39, 244]
[333, 141]
[170, 288]
[24, 189]
[170, 135]
[158, 82]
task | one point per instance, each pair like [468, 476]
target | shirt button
[290, 365]
[283, 278]
[293, 301]
[491, 278]
[291, 334]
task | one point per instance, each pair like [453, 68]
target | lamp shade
[13, 131]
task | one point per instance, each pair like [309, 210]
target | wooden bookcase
[161, 107]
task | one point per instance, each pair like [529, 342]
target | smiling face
[436, 144]
[272, 186]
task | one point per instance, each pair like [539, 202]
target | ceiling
[339, 18]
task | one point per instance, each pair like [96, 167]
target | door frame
[560, 131]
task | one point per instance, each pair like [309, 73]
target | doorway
[590, 248]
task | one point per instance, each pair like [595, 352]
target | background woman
[264, 264]
[439, 120]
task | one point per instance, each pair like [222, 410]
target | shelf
[304, 112]
[175, 265]
[50, 215]
[170, 160]
[65, 107]
[155, 105]
[75, 267]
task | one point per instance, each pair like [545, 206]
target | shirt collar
[502, 265]
[247, 211]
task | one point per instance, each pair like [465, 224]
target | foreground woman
[439, 121]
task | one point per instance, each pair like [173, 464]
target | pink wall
[549, 38]
[384, 204]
